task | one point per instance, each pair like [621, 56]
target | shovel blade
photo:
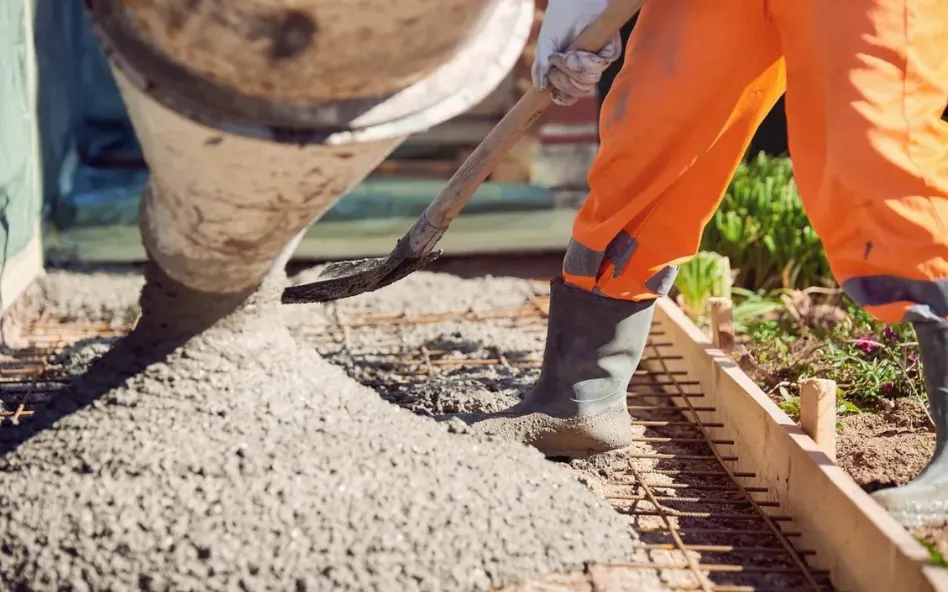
[345, 279]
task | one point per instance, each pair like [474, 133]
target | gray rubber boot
[578, 405]
[924, 501]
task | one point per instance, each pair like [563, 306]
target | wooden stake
[722, 323]
[818, 413]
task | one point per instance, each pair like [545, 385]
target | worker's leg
[698, 78]
[867, 83]
[674, 128]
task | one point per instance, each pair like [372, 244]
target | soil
[244, 461]
[878, 449]
[888, 448]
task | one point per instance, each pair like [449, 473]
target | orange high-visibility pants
[866, 82]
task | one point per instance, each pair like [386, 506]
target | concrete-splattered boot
[577, 407]
[924, 501]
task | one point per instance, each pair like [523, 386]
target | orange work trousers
[866, 82]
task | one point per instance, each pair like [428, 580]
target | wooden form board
[862, 546]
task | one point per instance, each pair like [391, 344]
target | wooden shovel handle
[427, 231]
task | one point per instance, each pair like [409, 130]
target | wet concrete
[391, 358]
[389, 355]
[107, 295]
[244, 461]
[374, 354]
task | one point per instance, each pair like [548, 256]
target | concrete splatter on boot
[924, 501]
[578, 405]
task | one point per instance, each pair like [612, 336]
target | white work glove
[572, 74]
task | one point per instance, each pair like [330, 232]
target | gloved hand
[572, 74]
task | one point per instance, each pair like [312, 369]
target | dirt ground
[888, 448]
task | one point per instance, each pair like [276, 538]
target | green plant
[870, 361]
[873, 360]
[762, 228]
[790, 403]
[934, 555]
[750, 306]
[705, 276]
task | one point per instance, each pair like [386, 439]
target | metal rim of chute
[476, 69]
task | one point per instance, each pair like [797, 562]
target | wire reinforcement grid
[701, 525]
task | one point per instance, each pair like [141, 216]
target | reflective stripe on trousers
[583, 267]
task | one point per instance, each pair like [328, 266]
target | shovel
[416, 249]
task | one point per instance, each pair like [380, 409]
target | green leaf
[846, 407]
[785, 393]
[762, 228]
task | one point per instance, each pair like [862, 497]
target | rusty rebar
[769, 520]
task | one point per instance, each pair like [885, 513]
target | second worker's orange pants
[866, 83]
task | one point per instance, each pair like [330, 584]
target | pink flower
[889, 389]
[890, 333]
[866, 344]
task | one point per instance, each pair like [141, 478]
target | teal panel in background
[110, 198]
[20, 192]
